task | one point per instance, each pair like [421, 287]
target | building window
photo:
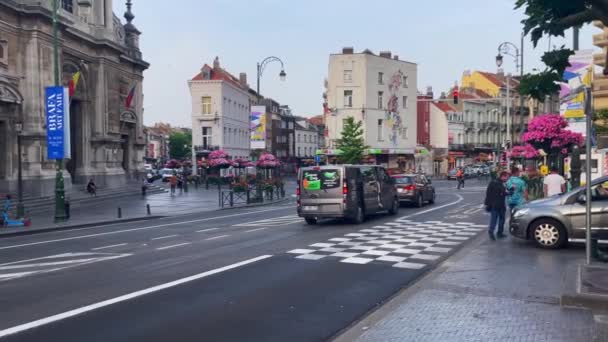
[298, 137]
[380, 78]
[380, 94]
[380, 130]
[224, 138]
[404, 133]
[206, 107]
[405, 102]
[405, 83]
[4, 52]
[348, 98]
[348, 76]
[67, 5]
[206, 138]
[299, 154]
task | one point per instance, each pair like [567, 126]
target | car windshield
[403, 180]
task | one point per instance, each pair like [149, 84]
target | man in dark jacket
[495, 205]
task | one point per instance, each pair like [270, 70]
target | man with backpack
[460, 178]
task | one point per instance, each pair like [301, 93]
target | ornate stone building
[106, 129]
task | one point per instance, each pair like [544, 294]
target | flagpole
[60, 214]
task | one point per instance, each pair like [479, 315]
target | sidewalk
[489, 291]
[132, 208]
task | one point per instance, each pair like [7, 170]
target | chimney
[429, 91]
[216, 63]
[385, 54]
[396, 57]
[349, 50]
[243, 79]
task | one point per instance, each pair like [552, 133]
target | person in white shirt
[554, 183]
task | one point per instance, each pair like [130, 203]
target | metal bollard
[119, 212]
[148, 209]
[231, 199]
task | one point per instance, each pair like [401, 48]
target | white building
[306, 139]
[456, 133]
[380, 91]
[220, 112]
[439, 139]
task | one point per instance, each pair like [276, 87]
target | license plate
[310, 208]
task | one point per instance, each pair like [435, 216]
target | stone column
[109, 16]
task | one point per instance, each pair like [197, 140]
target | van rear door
[320, 187]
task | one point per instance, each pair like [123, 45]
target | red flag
[130, 97]
[74, 83]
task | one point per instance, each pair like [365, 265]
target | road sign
[55, 122]
[317, 159]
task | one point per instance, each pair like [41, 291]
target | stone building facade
[108, 143]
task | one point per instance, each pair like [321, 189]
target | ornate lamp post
[20, 208]
[262, 65]
[510, 49]
[59, 183]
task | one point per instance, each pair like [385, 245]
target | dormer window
[3, 52]
[68, 5]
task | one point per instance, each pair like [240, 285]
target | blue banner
[55, 117]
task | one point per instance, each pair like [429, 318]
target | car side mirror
[582, 199]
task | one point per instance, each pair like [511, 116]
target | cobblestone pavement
[489, 291]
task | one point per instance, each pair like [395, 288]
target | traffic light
[455, 95]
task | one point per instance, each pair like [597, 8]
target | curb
[76, 226]
[256, 204]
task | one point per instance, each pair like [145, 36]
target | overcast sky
[444, 37]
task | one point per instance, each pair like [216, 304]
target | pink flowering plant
[524, 151]
[219, 158]
[268, 161]
[548, 132]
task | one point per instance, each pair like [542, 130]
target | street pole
[508, 117]
[258, 87]
[59, 183]
[521, 75]
[20, 208]
[588, 112]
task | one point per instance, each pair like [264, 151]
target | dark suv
[414, 188]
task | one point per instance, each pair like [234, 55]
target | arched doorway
[78, 105]
[128, 123]
[10, 114]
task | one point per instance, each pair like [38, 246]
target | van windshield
[321, 179]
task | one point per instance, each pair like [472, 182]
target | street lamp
[262, 65]
[510, 49]
[59, 182]
[20, 208]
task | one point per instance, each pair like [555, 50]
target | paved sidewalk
[489, 291]
[106, 211]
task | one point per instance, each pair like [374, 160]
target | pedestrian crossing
[402, 243]
[275, 221]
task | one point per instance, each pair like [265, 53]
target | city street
[262, 270]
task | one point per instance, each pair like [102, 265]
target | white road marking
[75, 312]
[206, 230]
[255, 230]
[135, 229]
[163, 237]
[460, 199]
[173, 246]
[217, 237]
[111, 246]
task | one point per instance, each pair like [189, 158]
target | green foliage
[600, 119]
[351, 142]
[557, 60]
[539, 85]
[180, 145]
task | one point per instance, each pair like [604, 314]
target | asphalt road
[258, 274]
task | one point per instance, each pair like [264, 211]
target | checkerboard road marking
[403, 243]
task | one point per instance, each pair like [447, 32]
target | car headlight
[521, 212]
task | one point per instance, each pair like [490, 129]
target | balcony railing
[206, 148]
[600, 39]
[469, 124]
[457, 147]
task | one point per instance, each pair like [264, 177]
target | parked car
[166, 174]
[452, 174]
[345, 191]
[414, 188]
[550, 222]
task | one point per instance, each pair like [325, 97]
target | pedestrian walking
[495, 205]
[554, 183]
[173, 183]
[460, 178]
[144, 186]
[518, 192]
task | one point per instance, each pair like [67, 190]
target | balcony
[600, 39]
[469, 124]
[457, 147]
[600, 86]
[492, 125]
[205, 148]
[598, 24]
[599, 58]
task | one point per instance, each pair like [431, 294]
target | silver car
[550, 222]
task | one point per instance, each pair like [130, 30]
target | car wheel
[432, 200]
[549, 234]
[419, 201]
[395, 208]
[311, 220]
[359, 215]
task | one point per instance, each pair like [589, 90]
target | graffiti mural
[392, 118]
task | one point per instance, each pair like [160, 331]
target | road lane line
[135, 229]
[164, 237]
[255, 230]
[173, 246]
[104, 247]
[217, 237]
[206, 230]
[75, 312]
[460, 199]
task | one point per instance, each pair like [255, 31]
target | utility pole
[521, 75]
[59, 183]
[508, 119]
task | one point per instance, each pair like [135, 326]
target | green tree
[180, 145]
[554, 17]
[351, 142]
